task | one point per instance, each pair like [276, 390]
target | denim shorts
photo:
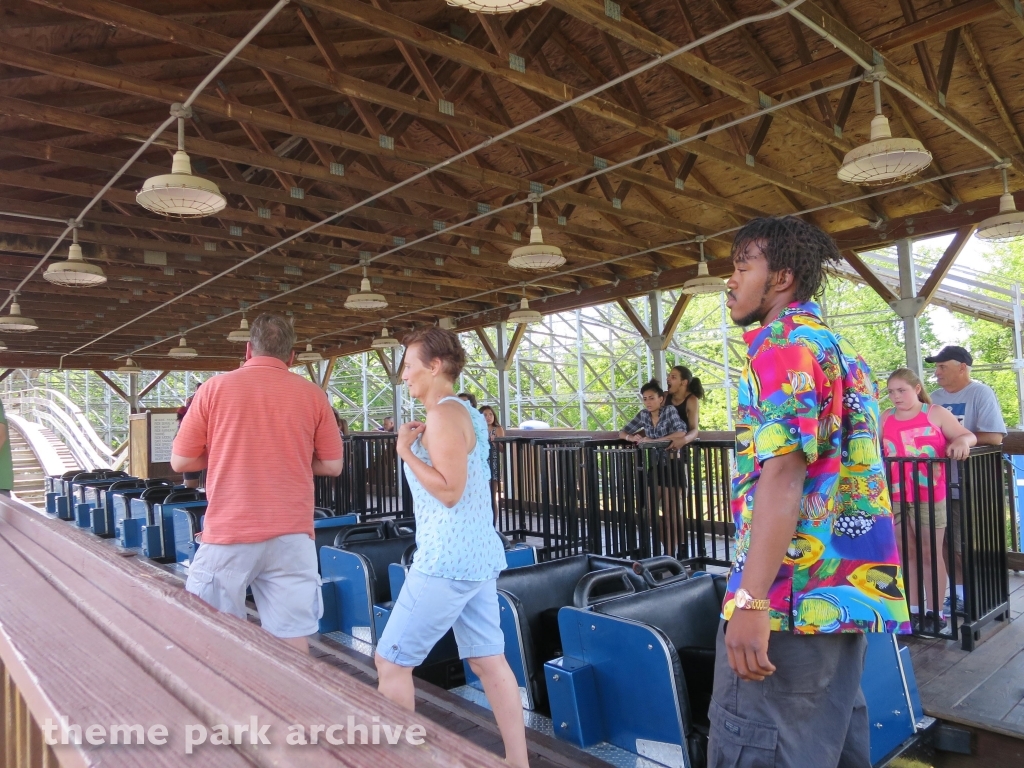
[428, 606]
[282, 573]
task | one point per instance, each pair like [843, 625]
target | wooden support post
[672, 322]
[870, 277]
[941, 269]
[513, 344]
[327, 373]
[152, 385]
[7, 373]
[113, 386]
[633, 317]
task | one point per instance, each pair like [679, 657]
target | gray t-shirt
[976, 407]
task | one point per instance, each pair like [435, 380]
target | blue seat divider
[632, 684]
[614, 684]
[346, 593]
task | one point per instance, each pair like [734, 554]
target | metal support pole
[654, 340]
[580, 379]
[501, 366]
[366, 403]
[726, 374]
[396, 389]
[1018, 355]
[133, 393]
[908, 305]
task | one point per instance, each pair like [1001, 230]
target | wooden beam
[866, 53]
[7, 373]
[672, 322]
[1001, 107]
[486, 343]
[384, 361]
[1013, 11]
[311, 372]
[949, 49]
[634, 318]
[942, 267]
[846, 99]
[113, 386]
[870, 277]
[513, 344]
[149, 387]
[326, 380]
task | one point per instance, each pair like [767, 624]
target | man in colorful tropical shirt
[816, 564]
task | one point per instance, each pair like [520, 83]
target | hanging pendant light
[384, 341]
[703, 282]
[16, 322]
[3, 347]
[241, 334]
[536, 255]
[494, 6]
[179, 193]
[183, 351]
[524, 314]
[883, 159]
[366, 298]
[309, 356]
[75, 272]
[1008, 224]
[129, 367]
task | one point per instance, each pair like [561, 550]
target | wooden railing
[105, 640]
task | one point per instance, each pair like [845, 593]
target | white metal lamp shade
[183, 351]
[524, 314]
[384, 341]
[241, 334]
[3, 347]
[366, 298]
[883, 159]
[309, 356]
[1008, 224]
[494, 6]
[16, 322]
[129, 367]
[179, 193]
[703, 282]
[536, 255]
[75, 272]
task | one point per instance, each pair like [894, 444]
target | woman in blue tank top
[452, 581]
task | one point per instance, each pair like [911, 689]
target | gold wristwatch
[743, 600]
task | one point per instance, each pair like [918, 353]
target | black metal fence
[617, 499]
[371, 482]
[951, 525]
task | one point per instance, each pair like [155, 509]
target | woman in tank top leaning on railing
[452, 581]
[914, 428]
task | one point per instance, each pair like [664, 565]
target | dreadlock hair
[791, 243]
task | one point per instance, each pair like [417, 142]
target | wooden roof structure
[337, 100]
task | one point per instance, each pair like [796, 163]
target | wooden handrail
[104, 639]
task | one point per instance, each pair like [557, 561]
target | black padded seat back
[401, 526]
[378, 555]
[124, 485]
[687, 611]
[544, 586]
[190, 494]
[156, 494]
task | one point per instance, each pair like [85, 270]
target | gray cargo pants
[810, 713]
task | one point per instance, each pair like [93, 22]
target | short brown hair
[272, 336]
[438, 344]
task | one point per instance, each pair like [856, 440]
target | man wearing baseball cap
[976, 407]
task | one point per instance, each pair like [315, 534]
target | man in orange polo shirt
[261, 432]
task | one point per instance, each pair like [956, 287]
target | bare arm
[679, 439]
[776, 512]
[448, 449]
[330, 468]
[188, 463]
[960, 439]
[989, 438]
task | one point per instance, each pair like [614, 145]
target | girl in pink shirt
[913, 427]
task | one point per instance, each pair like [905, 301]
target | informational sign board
[162, 428]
